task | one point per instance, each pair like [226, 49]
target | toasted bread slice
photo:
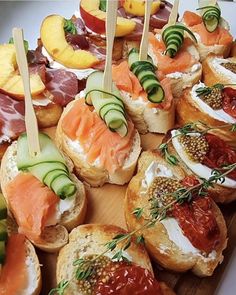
[90, 239]
[158, 243]
[188, 110]
[92, 173]
[53, 237]
[218, 192]
[214, 72]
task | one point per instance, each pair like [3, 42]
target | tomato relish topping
[219, 154]
[129, 279]
[229, 101]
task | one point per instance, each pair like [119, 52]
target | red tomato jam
[219, 154]
[198, 223]
[129, 280]
[229, 101]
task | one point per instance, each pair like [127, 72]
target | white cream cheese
[176, 235]
[216, 64]
[81, 74]
[216, 114]
[41, 102]
[197, 168]
[32, 277]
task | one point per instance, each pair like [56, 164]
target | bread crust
[157, 242]
[91, 174]
[90, 239]
[218, 193]
[211, 76]
[54, 237]
[188, 111]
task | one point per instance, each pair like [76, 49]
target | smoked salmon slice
[32, 204]
[95, 137]
[14, 277]
[220, 36]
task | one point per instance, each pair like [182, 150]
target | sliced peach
[54, 41]
[137, 7]
[95, 19]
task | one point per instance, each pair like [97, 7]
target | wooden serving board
[105, 206]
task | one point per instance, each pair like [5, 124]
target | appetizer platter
[118, 151]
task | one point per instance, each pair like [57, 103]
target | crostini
[19, 265]
[106, 273]
[177, 61]
[148, 102]
[205, 155]
[213, 106]
[96, 134]
[217, 69]
[42, 194]
[210, 29]
[182, 231]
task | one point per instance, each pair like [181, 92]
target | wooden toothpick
[30, 118]
[174, 13]
[111, 16]
[144, 42]
[203, 3]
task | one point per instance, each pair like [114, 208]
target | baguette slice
[157, 240]
[214, 73]
[182, 80]
[53, 237]
[93, 174]
[189, 111]
[90, 239]
[219, 193]
[33, 267]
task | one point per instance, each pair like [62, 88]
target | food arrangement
[117, 78]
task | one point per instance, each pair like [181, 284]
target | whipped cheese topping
[81, 74]
[216, 64]
[216, 114]
[197, 168]
[32, 277]
[41, 102]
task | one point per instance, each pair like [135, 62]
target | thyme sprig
[190, 128]
[207, 90]
[157, 212]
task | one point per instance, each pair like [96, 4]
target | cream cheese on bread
[216, 64]
[216, 114]
[197, 168]
[32, 277]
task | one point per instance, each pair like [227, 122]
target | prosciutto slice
[11, 118]
[62, 84]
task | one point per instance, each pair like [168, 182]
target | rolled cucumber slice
[109, 106]
[3, 208]
[46, 165]
[2, 251]
[211, 17]
[3, 229]
[145, 72]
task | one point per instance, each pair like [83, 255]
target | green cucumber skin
[3, 208]
[145, 72]
[2, 252]
[211, 17]
[3, 229]
[107, 105]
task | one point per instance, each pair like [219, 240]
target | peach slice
[137, 7]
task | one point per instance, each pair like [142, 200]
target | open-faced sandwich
[148, 101]
[42, 194]
[173, 51]
[50, 90]
[96, 134]
[217, 69]
[214, 106]
[183, 230]
[210, 29]
[206, 156]
[19, 266]
[102, 259]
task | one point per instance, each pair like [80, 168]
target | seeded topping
[162, 188]
[102, 266]
[230, 66]
[196, 147]
[214, 99]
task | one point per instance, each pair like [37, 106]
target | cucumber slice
[2, 252]
[109, 106]
[145, 72]
[3, 230]
[122, 130]
[3, 208]
[173, 37]
[48, 179]
[48, 161]
[211, 17]
[63, 186]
